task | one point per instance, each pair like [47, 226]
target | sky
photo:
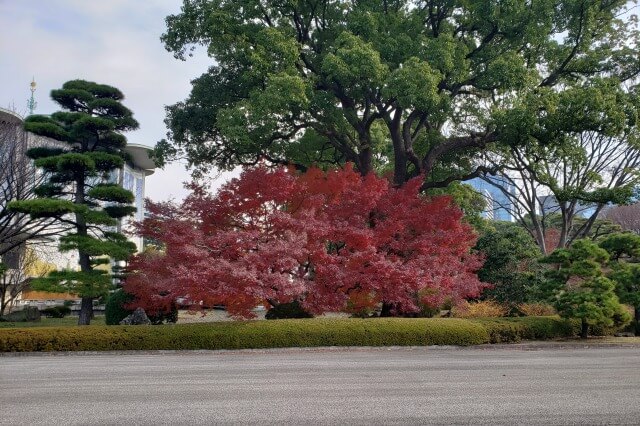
[115, 42]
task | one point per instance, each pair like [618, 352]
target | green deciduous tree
[563, 182]
[422, 86]
[79, 189]
[510, 262]
[578, 288]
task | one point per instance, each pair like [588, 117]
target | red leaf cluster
[335, 241]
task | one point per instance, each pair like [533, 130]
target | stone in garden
[138, 317]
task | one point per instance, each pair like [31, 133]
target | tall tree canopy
[418, 86]
[333, 241]
[80, 189]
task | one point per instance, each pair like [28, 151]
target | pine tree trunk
[84, 260]
[636, 319]
[584, 330]
[86, 311]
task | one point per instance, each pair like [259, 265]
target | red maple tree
[334, 241]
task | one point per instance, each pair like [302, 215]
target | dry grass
[482, 309]
[536, 309]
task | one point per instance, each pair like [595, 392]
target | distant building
[550, 205]
[499, 206]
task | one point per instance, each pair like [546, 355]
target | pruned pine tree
[79, 189]
[578, 288]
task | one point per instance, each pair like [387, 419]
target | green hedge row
[512, 330]
[286, 333]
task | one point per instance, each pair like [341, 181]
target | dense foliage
[334, 241]
[79, 189]
[419, 87]
[510, 263]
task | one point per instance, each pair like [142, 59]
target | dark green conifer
[80, 188]
[579, 289]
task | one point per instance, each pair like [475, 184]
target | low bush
[287, 333]
[165, 317]
[481, 309]
[56, 312]
[114, 310]
[287, 310]
[513, 330]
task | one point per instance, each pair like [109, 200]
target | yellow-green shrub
[511, 330]
[536, 309]
[481, 309]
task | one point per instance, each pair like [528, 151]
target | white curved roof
[7, 116]
[140, 157]
[139, 153]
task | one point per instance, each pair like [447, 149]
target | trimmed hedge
[285, 333]
[515, 329]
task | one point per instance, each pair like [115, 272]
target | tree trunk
[386, 309]
[400, 159]
[636, 319]
[539, 235]
[3, 292]
[84, 260]
[86, 311]
[399, 152]
[3, 304]
[584, 329]
[365, 159]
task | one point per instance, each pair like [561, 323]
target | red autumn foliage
[335, 241]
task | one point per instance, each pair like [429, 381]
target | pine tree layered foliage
[578, 287]
[80, 189]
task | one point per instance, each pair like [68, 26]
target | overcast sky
[115, 42]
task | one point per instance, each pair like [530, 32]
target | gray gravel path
[504, 385]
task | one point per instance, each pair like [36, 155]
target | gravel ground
[390, 386]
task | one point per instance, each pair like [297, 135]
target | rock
[138, 317]
[625, 334]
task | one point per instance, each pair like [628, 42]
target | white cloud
[114, 42]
